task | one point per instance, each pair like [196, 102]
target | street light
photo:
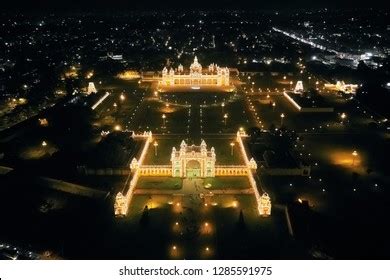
[273, 106]
[225, 118]
[44, 144]
[164, 117]
[122, 97]
[343, 116]
[354, 155]
[223, 107]
[155, 144]
[232, 146]
[281, 119]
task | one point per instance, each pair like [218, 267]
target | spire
[183, 144]
[196, 59]
[203, 143]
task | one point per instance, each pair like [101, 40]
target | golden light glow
[43, 122]
[128, 75]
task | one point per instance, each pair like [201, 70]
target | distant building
[265, 205]
[298, 87]
[342, 86]
[91, 88]
[111, 56]
[196, 76]
[114, 56]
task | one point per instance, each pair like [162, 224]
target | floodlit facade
[193, 161]
[342, 86]
[298, 87]
[196, 76]
[265, 205]
[91, 88]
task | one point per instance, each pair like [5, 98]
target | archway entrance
[193, 169]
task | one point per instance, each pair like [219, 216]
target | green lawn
[159, 183]
[220, 183]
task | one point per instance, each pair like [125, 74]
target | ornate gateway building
[196, 77]
[193, 161]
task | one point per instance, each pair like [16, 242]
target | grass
[220, 183]
[159, 183]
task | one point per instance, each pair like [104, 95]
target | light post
[343, 116]
[281, 119]
[223, 107]
[155, 144]
[225, 118]
[164, 117]
[354, 155]
[232, 146]
[273, 106]
[122, 97]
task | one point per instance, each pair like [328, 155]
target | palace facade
[196, 76]
[193, 161]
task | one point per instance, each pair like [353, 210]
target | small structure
[91, 88]
[342, 86]
[265, 205]
[120, 205]
[298, 88]
[193, 161]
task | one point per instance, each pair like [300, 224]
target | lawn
[159, 183]
[220, 183]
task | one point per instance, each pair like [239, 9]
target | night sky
[85, 5]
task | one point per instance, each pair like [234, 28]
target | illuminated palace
[196, 76]
[191, 161]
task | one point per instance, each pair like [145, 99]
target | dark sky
[85, 5]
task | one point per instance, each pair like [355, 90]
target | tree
[144, 221]
[241, 222]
